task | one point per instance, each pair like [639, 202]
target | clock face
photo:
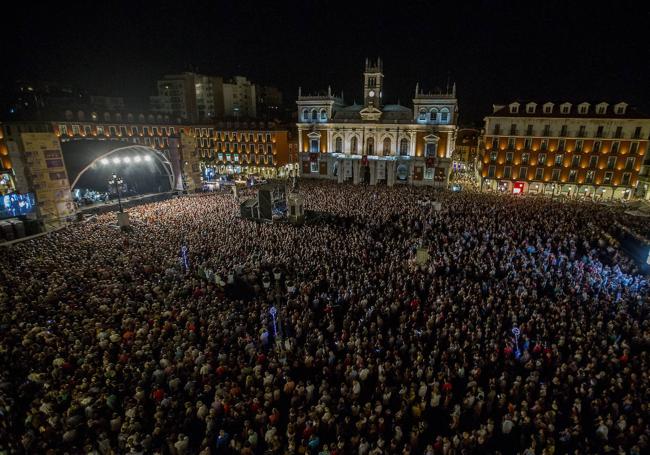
[371, 93]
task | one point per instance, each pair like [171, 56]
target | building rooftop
[566, 109]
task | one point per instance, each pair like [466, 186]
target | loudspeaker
[264, 204]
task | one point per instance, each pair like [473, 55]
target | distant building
[239, 99]
[376, 142]
[587, 150]
[269, 102]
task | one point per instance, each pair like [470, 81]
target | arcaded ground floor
[374, 170]
[568, 190]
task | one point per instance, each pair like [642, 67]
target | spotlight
[104, 161]
[127, 159]
[137, 158]
[147, 158]
[116, 160]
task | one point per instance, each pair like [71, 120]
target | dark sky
[494, 50]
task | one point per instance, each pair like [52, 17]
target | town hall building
[374, 142]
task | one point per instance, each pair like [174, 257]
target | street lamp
[117, 182]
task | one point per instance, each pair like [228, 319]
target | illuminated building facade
[584, 150]
[375, 142]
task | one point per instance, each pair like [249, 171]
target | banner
[381, 170]
[347, 168]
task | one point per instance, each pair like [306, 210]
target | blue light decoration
[273, 312]
[184, 258]
[516, 332]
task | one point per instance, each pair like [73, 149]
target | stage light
[137, 158]
[116, 160]
[147, 158]
[104, 161]
[127, 159]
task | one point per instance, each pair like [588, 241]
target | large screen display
[15, 204]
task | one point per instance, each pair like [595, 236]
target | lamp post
[117, 182]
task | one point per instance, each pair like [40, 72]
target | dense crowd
[112, 342]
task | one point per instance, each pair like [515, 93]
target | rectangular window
[629, 163]
[619, 132]
[599, 131]
[575, 161]
[87, 131]
[100, 130]
[579, 144]
[511, 143]
[513, 129]
[593, 162]
[236, 156]
[227, 156]
[269, 149]
[220, 155]
[491, 171]
[75, 129]
[596, 147]
[63, 129]
[556, 175]
[572, 175]
[493, 156]
[268, 137]
[57, 176]
[581, 131]
[539, 173]
[589, 178]
[561, 144]
[497, 129]
[529, 130]
[563, 131]
[558, 159]
[615, 146]
[637, 133]
[626, 178]
[611, 162]
[235, 148]
[608, 178]
[542, 158]
[528, 143]
[524, 158]
[547, 130]
[507, 172]
[509, 156]
[134, 130]
[523, 173]
[495, 143]
[314, 166]
[634, 148]
[313, 146]
[544, 144]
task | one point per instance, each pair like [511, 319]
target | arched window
[353, 145]
[387, 146]
[94, 116]
[151, 118]
[141, 118]
[444, 115]
[423, 114]
[434, 115]
[81, 115]
[305, 114]
[314, 115]
[370, 146]
[107, 117]
[338, 145]
[68, 115]
[404, 147]
[118, 117]
[323, 115]
[129, 117]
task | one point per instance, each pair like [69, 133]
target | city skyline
[494, 52]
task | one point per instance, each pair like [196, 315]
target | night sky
[495, 51]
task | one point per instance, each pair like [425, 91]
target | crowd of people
[524, 330]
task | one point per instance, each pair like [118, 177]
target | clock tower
[373, 84]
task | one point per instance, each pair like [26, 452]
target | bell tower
[373, 84]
